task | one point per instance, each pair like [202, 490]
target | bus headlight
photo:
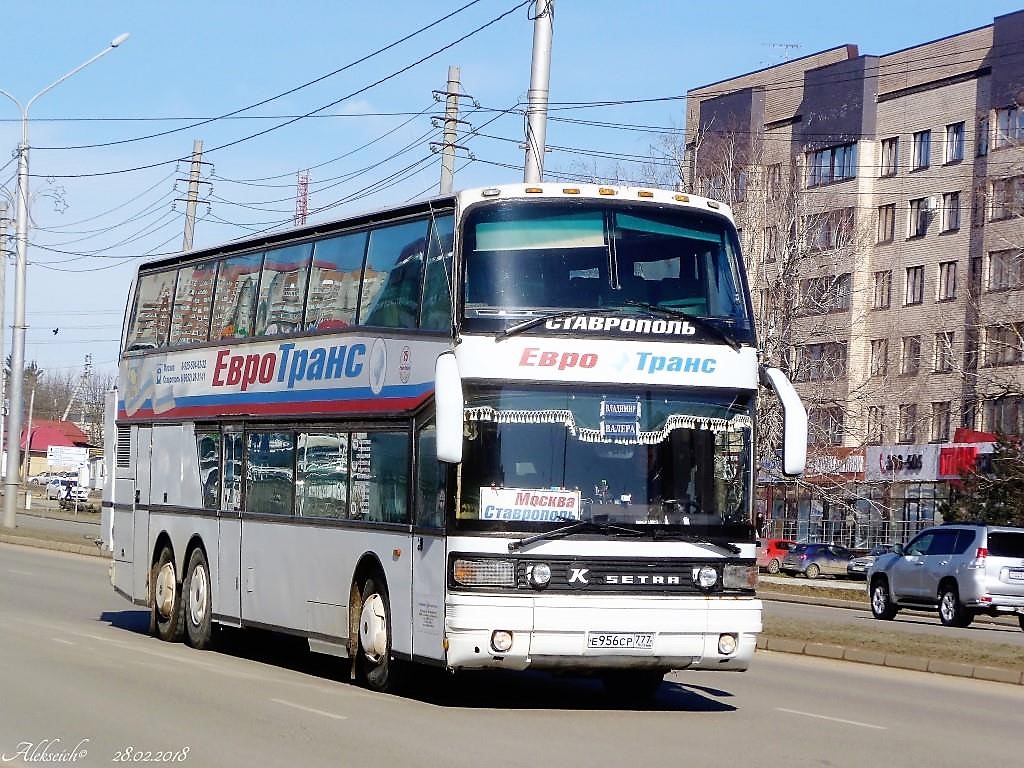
[501, 640]
[539, 574]
[727, 644]
[740, 576]
[484, 573]
[705, 577]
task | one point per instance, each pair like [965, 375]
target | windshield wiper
[579, 525]
[704, 323]
[526, 325]
[693, 538]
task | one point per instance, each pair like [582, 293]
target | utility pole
[80, 387]
[3, 292]
[451, 124]
[537, 98]
[28, 435]
[193, 194]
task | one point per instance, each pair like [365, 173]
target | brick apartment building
[881, 202]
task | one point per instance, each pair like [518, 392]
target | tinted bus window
[321, 476]
[391, 278]
[334, 282]
[380, 477]
[208, 451]
[235, 297]
[436, 312]
[193, 298]
[152, 316]
[270, 465]
[283, 290]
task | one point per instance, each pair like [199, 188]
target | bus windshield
[530, 258]
[544, 457]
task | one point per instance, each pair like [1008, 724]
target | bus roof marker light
[713, 204]
[645, 193]
[570, 190]
[682, 198]
[534, 191]
[607, 191]
[490, 192]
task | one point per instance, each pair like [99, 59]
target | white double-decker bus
[510, 428]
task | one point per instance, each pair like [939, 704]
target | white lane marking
[61, 640]
[832, 719]
[309, 709]
[20, 573]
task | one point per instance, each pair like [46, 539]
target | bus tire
[198, 599]
[375, 668]
[166, 620]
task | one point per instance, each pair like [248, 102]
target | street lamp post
[13, 466]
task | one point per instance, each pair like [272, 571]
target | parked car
[66, 488]
[961, 570]
[858, 567]
[812, 560]
[770, 553]
[41, 479]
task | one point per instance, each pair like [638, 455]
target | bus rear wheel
[198, 601]
[374, 666]
[165, 619]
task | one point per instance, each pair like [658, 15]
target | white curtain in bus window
[283, 290]
[380, 477]
[391, 278]
[321, 476]
[334, 282]
[208, 445]
[436, 309]
[152, 316]
[193, 298]
[270, 463]
[235, 297]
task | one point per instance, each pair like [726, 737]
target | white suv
[66, 488]
[960, 569]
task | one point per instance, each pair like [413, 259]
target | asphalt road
[76, 664]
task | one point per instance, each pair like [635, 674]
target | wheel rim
[946, 606]
[199, 590]
[773, 566]
[879, 599]
[812, 571]
[165, 586]
[373, 628]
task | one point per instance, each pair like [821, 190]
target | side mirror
[450, 408]
[794, 432]
[898, 550]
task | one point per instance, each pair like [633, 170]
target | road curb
[894, 660]
[58, 546]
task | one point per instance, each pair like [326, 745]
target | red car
[770, 553]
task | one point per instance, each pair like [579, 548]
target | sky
[107, 145]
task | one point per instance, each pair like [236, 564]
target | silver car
[961, 570]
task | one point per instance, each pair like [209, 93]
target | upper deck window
[193, 298]
[152, 313]
[235, 297]
[392, 277]
[334, 282]
[436, 310]
[529, 258]
[283, 290]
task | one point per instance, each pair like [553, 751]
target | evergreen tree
[995, 497]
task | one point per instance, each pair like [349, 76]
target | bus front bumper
[594, 633]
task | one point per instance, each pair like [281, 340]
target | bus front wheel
[374, 666]
[198, 601]
[165, 599]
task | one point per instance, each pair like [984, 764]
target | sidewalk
[44, 536]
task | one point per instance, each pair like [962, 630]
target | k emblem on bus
[579, 576]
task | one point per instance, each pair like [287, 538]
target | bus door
[140, 514]
[228, 596]
[428, 550]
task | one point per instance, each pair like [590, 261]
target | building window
[940, 421]
[950, 211]
[910, 356]
[876, 425]
[825, 426]
[833, 164]
[947, 281]
[883, 289]
[1006, 415]
[771, 244]
[890, 156]
[886, 223]
[879, 357]
[954, 142]
[915, 286]
[943, 362]
[1005, 269]
[908, 423]
[982, 139]
[821, 362]
[922, 150]
[1004, 344]
[917, 224]
[774, 185]
[1009, 126]
[1007, 198]
[979, 204]
[820, 295]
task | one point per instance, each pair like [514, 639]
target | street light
[13, 468]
